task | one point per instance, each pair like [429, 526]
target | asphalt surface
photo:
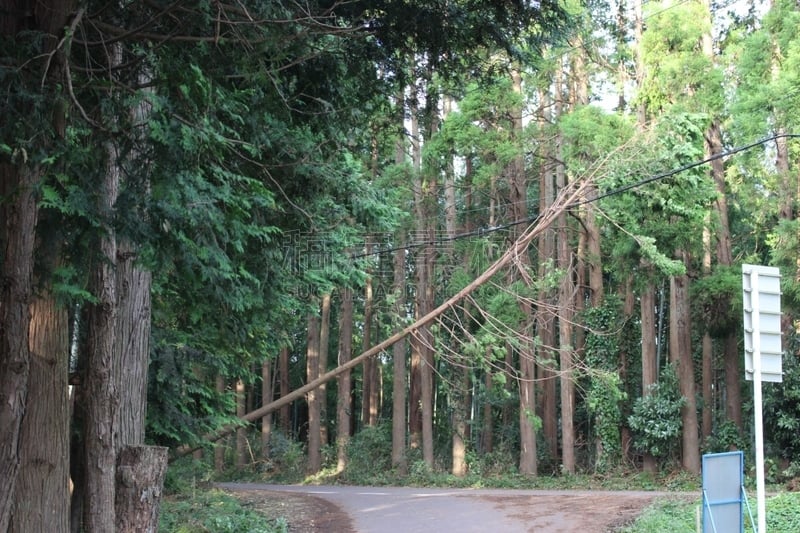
[418, 510]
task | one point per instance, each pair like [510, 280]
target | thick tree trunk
[19, 216]
[101, 396]
[19, 212]
[368, 369]
[399, 366]
[266, 398]
[312, 397]
[649, 363]
[707, 345]
[132, 346]
[545, 319]
[518, 195]
[344, 404]
[241, 432]
[219, 449]
[487, 434]
[140, 472]
[41, 500]
[324, 338]
[731, 355]
[284, 415]
[566, 304]
[680, 349]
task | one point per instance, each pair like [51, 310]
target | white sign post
[761, 292]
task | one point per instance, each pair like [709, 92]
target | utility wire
[619, 190]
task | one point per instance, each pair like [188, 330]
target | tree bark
[101, 395]
[312, 397]
[344, 404]
[266, 398]
[140, 472]
[545, 319]
[368, 369]
[219, 449]
[324, 338]
[41, 500]
[132, 346]
[284, 415]
[19, 217]
[649, 363]
[518, 187]
[680, 349]
[241, 432]
[399, 366]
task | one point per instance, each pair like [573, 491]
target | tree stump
[139, 485]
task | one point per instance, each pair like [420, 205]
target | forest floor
[401, 509]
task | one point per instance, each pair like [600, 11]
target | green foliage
[656, 418]
[783, 513]
[604, 391]
[213, 511]
[183, 403]
[666, 515]
[782, 402]
[369, 454]
[725, 437]
[591, 136]
[716, 300]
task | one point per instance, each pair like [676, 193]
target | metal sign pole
[761, 504]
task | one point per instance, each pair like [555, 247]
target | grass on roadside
[680, 516]
[213, 511]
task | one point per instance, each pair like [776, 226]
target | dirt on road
[548, 511]
[303, 512]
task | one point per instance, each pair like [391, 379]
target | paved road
[417, 510]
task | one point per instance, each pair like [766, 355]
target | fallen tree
[568, 197]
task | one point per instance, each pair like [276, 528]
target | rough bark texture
[518, 197]
[18, 220]
[132, 346]
[399, 368]
[101, 397]
[241, 433]
[219, 449]
[368, 381]
[140, 472]
[344, 403]
[266, 397]
[649, 363]
[566, 306]
[545, 319]
[324, 338]
[284, 416]
[680, 348]
[312, 372]
[41, 500]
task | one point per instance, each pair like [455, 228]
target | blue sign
[723, 492]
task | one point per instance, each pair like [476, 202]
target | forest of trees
[503, 228]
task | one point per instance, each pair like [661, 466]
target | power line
[619, 190]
